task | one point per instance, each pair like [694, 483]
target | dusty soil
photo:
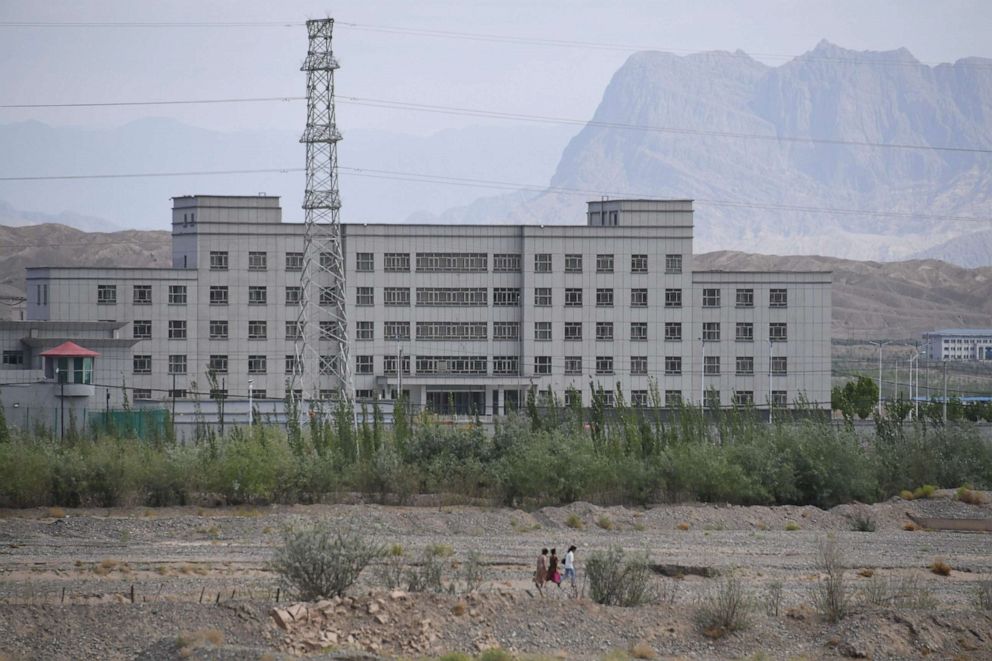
[202, 589]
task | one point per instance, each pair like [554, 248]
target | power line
[416, 177]
[388, 104]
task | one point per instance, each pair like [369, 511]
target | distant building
[959, 344]
[471, 315]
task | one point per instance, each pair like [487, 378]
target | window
[573, 263]
[41, 295]
[542, 364]
[452, 296]
[258, 393]
[673, 298]
[609, 401]
[780, 365]
[604, 331]
[604, 263]
[363, 296]
[506, 330]
[177, 364]
[780, 398]
[452, 365]
[573, 298]
[257, 296]
[218, 295]
[452, 262]
[389, 365]
[639, 398]
[604, 364]
[363, 364]
[638, 365]
[396, 296]
[106, 294]
[294, 295]
[218, 260]
[294, 261]
[573, 331]
[179, 393]
[365, 331]
[218, 393]
[542, 263]
[639, 331]
[217, 363]
[398, 331]
[218, 330]
[294, 330]
[506, 365]
[673, 398]
[745, 365]
[573, 365]
[638, 263]
[177, 330]
[327, 260]
[506, 263]
[327, 330]
[328, 365]
[778, 332]
[745, 298]
[258, 261]
[711, 399]
[177, 294]
[711, 298]
[711, 331]
[778, 298]
[573, 397]
[711, 365]
[141, 364]
[673, 365]
[292, 366]
[542, 331]
[141, 329]
[604, 298]
[258, 330]
[142, 295]
[542, 297]
[364, 261]
[506, 297]
[745, 331]
[142, 393]
[743, 398]
[257, 364]
[673, 331]
[673, 264]
[396, 262]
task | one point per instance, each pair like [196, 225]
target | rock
[382, 618]
[397, 595]
[297, 611]
[281, 617]
[373, 608]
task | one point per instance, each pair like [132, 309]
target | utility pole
[58, 375]
[399, 373]
[702, 375]
[944, 363]
[251, 414]
[771, 403]
[879, 344]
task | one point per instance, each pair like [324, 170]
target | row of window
[449, 262]
[777, 298]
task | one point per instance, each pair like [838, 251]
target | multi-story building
[959, 344]
[470, 315]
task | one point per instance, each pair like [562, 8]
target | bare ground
[202, 588]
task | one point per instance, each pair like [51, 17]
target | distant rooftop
[967, 332]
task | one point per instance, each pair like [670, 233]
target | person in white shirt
[570, 565]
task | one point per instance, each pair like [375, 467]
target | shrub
[906, 494]
[862, 522]
[428, 575]
[455, 656]
[926, 491]
[618, 580]
[725, 608]
[831, 596]
[574, 521]
[472, 573]
[940, 568]
[315, 561]
[792, 526]
[496, 654]
[966, 495]
[683, 526]
[909, 526]
[604, 522]
[983, 595]
[390, 572]
[772, 598]
[642, 650]
[56, 512]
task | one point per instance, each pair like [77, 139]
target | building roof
[69, 349]
[967, 332]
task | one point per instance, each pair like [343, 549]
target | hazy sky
[93, 64]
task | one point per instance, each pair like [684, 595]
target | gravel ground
[202, 588]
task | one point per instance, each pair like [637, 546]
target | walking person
[570, 565]
[553, 574]
[541, 573]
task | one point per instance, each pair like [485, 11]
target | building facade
[463, 318]
[959, 344]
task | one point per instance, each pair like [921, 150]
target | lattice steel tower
[322, 317]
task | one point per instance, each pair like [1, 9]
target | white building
[474, 314]
[959, 344]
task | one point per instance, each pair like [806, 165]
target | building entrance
[457, 402]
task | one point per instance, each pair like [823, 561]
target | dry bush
[683, 526]
[792, 526]
[940, 568]
[391, 571]
[440, 550]
[909, 526]
[56, 512]
[574, 521]
[188, 642]
[772, 598]
[315, 561]
[983, 595]
[105, 567]
[831, 596]
[642, 650]
[906, 494]
[459, 609]
[867, 572]
[640, 527]
[725, 608]
[618, 580]
[926, 491]
[966, 495]
[604, 522]
[472, 573]
[862, 522]
[496, 654]
[428, 575]
[455, 656]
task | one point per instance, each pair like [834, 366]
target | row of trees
[859, 398]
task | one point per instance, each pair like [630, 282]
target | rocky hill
[870, 299]
[703, 112]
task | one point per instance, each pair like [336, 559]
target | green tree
[4, 430]
[862, 396]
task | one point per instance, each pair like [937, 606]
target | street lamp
[251, 413]
[58, 377]
[916, 405]
[880, 345]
